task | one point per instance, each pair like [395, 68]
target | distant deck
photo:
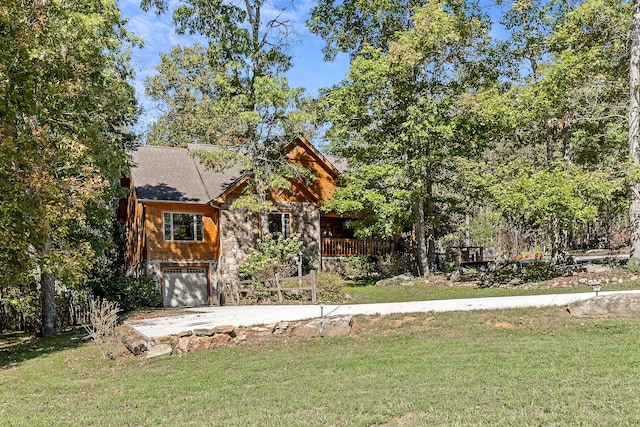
[339, 247]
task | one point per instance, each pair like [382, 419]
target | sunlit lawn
[365, 291]
[512, 367]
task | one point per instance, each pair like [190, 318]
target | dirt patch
[399, 421]
[503, 325]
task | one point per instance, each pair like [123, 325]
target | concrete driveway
[250, 315]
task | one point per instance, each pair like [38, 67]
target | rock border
[228, 335]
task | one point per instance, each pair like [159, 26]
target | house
[181, 231]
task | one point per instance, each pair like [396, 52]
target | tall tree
[351, 25]
[633, 134]
[562, 121]
[395, 117]
[64, 113]
[249, 109]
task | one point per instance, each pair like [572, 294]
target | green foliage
[128, 292]
[359, 267]
[272, 256]
[541, 270]
[19, 309]
[394, 117]
[232, 93]
[329, 287]
[67, 104]
[556, 200]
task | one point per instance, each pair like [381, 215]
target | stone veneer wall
[239, 231]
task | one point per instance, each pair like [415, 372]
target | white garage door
[184, 287]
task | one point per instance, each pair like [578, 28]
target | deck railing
[338, 247]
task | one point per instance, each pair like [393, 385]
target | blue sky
[309, 70]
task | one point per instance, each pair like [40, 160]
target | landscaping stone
[159, 350]
[240, 338]
[204, 332]
[226, 329]
[183, 345]
[221, 339]
[395, 280]
[515, 282]
[200, 342]
[326, 327]
[607, 305]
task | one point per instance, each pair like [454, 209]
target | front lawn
[365, 291]
[510, 367]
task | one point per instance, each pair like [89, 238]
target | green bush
[329, 287]
[359, 266]
[20, 309]
[540, 270]
[272, 256]
[129, 292]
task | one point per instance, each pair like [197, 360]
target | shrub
[103, 316]
[20, 309]
[272, 256]
[359, 266]
[329, 287]
[540, 270]
[128, 292]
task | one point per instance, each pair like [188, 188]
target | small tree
[273, 256]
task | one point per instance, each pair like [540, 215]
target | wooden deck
[339, 247]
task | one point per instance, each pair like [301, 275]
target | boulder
[396, 280]
[607, 305]
[338, 326]
[183, 344]
[226, 330]
[200, 343]
[159, 350]
[221, 339]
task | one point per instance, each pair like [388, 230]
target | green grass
[366, 292]
[505, 368]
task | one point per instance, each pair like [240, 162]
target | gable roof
[171, 174]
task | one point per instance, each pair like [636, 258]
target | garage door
[184, 287]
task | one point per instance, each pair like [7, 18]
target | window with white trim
[182, 227]
[280, 224]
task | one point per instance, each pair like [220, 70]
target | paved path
[210, 317]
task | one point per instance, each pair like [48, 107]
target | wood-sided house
[181, 231]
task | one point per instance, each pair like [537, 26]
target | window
[183, 227]
[280, 224]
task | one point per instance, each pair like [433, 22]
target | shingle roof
[171, 174]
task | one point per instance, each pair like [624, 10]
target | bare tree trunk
[558, 244]
[634, 148]
[48, 294]
[566, 143]
[422, 255]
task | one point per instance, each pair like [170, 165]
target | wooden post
[278, 287]
[314, 297]
[300, 270]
